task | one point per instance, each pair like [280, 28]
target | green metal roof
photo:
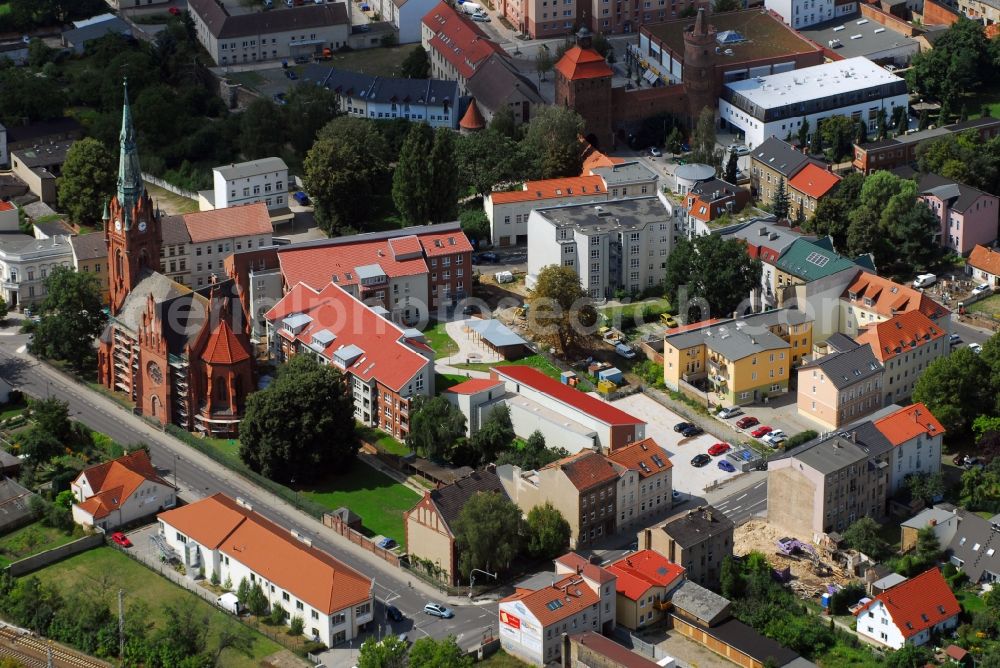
[811, 261]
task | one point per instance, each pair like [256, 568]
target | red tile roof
[692, 326]
[445, 243]
[474, 386]
[919, 603]
[640, 457]
[579, 63]
[900, 334]
[575, 562]
[573, 398]
[472, 119]
[813, 181]
[586, 469]
[592, 158]
[564, 599]
[908, 423]
[985, 259]
[315, 577]
[233, 221]
[224, 347]
[6, 206]
[459, 41]
[638, 573]
[889, 298]
[316, 266]
[385, 356]
[115, 481]
[572, 186]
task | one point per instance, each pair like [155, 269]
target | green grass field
[385, 62]
[442, 381]
[970, 602]
[989, 306]
[502, 660]
[12, 409]
[30, 540]
[438, 338]
[377, 498]
[100, 572]
[381, 440]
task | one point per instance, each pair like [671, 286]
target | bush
[650, 372]
[800, 438]
[297, 626]
[277, 616]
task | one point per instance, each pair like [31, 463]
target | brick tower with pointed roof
[699, 66]
[226, 366]
[583, 84]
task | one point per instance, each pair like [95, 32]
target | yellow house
[741, 360]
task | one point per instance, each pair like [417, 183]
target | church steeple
[130, 187]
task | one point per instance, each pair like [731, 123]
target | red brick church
[182, 356]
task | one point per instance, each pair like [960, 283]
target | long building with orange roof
[905, 344]
[870, 299]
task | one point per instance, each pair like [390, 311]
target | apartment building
[403, 15]
[802, 13]
[841, 386]
[902, 150]
[258, 276]
[981, 11]
[807, 188]
[827, 485]
[385, 365]
[645, 582]
[264, 180]
[774, 161]
[766, 241]
[457, 47]
[916, 436]
[697, 539]
[984, 265]
[744, 360]
[614, 247]
[870, 299]
[968, 216]
[709, 201]
[905, 345]
[645, 481]
[25, 262]
[226, 538]
[90, 256]
[583, 487]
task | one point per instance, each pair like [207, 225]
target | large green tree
[833, 213]
[534, 454]
[964, 158]
[865, 537]
[416, 65]
[390, 652]
[703, 140]
[551, 144]
[489, 533]
[710, 268]
[495, 435]
[308, 109]
[412, 186]
[345, 171]
[561, 312]
[71, 317]
[838, 136]
[435, 427]
[430, 653]
[548, 532]
[486, 159]
[957, 63]
[779, 205]
[262, 129]
[444, 184]
[953, 389]
[87, 180]
[302, 426]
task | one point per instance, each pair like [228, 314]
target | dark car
[279, 98]
[301, 198]
[700, 460]
[291, 74]
[746, 422]
[487, 258]
[681, 426]
[726, 466]
[392, 613]
[692, 430]
[386, 543]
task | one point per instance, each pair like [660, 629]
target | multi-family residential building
[841, 386]
[915, 435]
[744, 359]
[619, 246]
[902, 150]
[776, 105]
[175, 249]
[774, 161]
[645, 481]
[430, 523]
[403, 15]
[974, 547]
[264, 180]
[583, 487]
[910, 612]
[807, 187]
[968, 216]
[539, 19]
[980, 11]
[984, 265]
[385, 365]
[250, 37]
[411, 272]
[645, 582]
[802, 13]
[827, 485]
[228, 539]
[766, 241]
[432, 101]
[25, 262]
[905, 344]
[870, 299]
[581, 597]
[90, 256]
[697, 539]
[119, 492]
[708, 201]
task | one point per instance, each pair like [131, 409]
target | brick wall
[936, 14]
[889, 21]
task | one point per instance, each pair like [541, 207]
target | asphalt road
[968, 334]
[740, 505]
[199, 476]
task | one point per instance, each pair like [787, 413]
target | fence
[34, 562]
[337, 524]
[160, 183]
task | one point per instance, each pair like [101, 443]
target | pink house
[968, 216]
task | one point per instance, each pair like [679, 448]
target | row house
[807, 181]
[766, 241]
[699, 540]
[905, 345]
[916, 437]
[645, 581]
[645, 486]
[901, 151]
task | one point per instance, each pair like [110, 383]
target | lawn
[384, 62]
[381, 440]
[10, 410]
[377, 498]
[102, 571]
[502, 660]
[629, 316]
[442, 381]
[989, 96]
[437, 337]
[989, 306]
[971, 603]
[30, 540]
[229, 448]
[248, 79]
[171, 203]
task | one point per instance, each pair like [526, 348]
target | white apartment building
[264, 180]
[613, 247]
[404, 15]
[25, 262]
[916, 436]
[225, 537]
[775, 105]
[803, 13]
[645, 482]
[212, 236]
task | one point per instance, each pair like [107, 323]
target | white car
[739, 149]
[976, 348]
[980, 289]
[924, 280]
[776, 437]
[731, 411]
[655, 152]
[481, 18]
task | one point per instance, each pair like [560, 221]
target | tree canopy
[417, 65]
[964, 158]
[488, 533]
[411, 180]
[561, 311]
[832, 217]
[495, 434]
[390, 652]
[956, 64]
[87, 181]
[435, 427]
[486, 159]
[864, 536]
[548, 532]
[551, 144]
[953, 389]
[710, 268]
[430, 653]
[71, 317]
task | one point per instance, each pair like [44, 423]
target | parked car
[681, 426]
[121, 539]
[624, 351]
[488, 257]
[438, 610]
[693, 430]
[775, 437]
[504, 277]
[973, 463]
[747, 422]
[386, 543]
[954, 339]
[726, 466]
[675, 495]
[925, 280]
[668, 320]
[739, 149]
[975, 347]
[481, 18]
[279, 98]
[174, 11]
[719, 449]
[700, 460]
[655, 152]
[729, 412]
[393, 614]
[959, 460]
[980, 289]
[301, 198]
[291, 74]
[760, 431]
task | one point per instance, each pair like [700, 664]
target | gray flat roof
[624, 214]
[626, 172]
[831, 455]
[751, 336]
[870, 41]
[241, 170]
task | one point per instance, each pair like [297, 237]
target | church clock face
[118, 225]
[142, 225]
[155, 375]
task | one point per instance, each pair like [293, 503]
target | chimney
[708, 513]
[933, 522]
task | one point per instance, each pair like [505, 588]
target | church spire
[130, 186]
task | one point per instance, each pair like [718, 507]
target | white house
[776, 105]
[121, 491]
[802, 13]
[404, 15]
[908, 613]
[212, 236]
[25, 262]
[984, 265]
[916, 437]
[264, 180]
[228, 539]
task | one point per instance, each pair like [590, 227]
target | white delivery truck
[471, 8]
[229, 603]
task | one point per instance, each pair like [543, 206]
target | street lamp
[472, 578]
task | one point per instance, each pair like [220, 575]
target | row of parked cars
[769, 435]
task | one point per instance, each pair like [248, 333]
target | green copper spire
[130, 186]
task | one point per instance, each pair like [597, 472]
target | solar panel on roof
[817, 259]
[554, 605]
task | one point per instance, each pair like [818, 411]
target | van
[229, 603]
[924, 280]
[504, 277]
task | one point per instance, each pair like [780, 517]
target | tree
[926, 487]
[430, 653]
[717, 274]
[344, 172]
[534, 455]
[944, 113]
[495, 435]
[908, 656]
[302, 426]
[861, 132]
[674, 141]
[779, 206]
[505, 124]
[71, 317]
[262, 129]
[552, 143]
[732, 168]
[561, 311]
[956, 64]
[238, 638]
[416, 65]
[882, 123]
[543, 62]
[485, 159]
[389, 653]
[703, 140]
[488, 533]
[816, 141]
[443, 198]
[311, 107]
[435, 427]
[475, 224]
[38, 446]
[411, 180]
[864, 536]
[804, 132]
[952, 388]
[548, 532]
[928, 545]
[51, 416]
[902, 121]
[4, 309]
[86, 182]
[838, 134]
[924, 119]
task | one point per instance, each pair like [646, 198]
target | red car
[174, 11]
[761, 431]
[121, 539]
[747, 421]
[718, 449]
